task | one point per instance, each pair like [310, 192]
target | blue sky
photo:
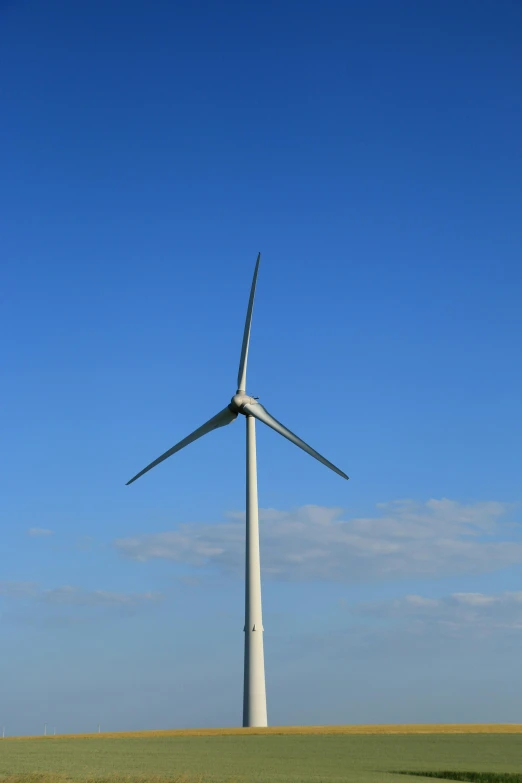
[371, 151]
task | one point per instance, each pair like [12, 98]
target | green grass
[258, 759]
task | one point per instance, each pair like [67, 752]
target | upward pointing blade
[241, 376]
[257, 410]
[219, 420]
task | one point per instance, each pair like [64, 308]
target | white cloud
[419, 601]
[68, 595]
[476, 613]
[473, 599]
[76, 596]
[405, 539]
[39, 531]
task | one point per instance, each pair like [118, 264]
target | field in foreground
[247, 758]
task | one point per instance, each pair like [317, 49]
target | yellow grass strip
[411, 728]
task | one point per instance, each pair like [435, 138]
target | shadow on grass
[471, 777]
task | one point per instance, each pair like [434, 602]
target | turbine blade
[241, 376]
[260, 413]
[220, 420]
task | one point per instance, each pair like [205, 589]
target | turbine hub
[239, 399]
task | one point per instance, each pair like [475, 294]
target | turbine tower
[254, 692]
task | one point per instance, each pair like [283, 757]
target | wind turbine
[254, 692]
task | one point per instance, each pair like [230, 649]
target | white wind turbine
[254, 693]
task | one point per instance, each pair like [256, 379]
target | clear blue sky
[371, 152]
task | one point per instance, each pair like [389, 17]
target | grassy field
[259, 758]
[389, 728]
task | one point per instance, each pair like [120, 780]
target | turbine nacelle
[239, 400]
